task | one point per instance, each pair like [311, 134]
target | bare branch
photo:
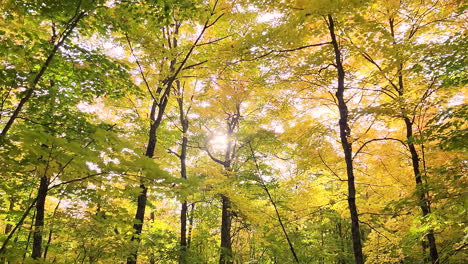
[173, 152]
[194, 65]
[140, 69]
[377, 139]
[214, 41]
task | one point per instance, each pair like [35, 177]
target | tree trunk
[183, 232]
[183, 211]
[189, 235]
[345, 132]
[156, 119]
[183, 173]
[39, 222]
[142, 197]
[139, 219]
[421, 192]
[226, 247]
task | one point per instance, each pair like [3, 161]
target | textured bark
[345, 132]
[139, 218]
[39, 222]
[226, 246]
[142, 197]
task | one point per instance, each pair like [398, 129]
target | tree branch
[377, 139]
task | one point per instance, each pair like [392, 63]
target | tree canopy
[233, 131]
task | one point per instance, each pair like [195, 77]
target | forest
[233, 131]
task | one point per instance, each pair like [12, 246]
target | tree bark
[190, 227]
[226, 256]
[345, 133]
[183, 233]
[420, 190]
[39, 222]
[183, 173]
[143, 196]
[157, 119]
[226, 246]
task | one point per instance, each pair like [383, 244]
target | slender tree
[345, 134]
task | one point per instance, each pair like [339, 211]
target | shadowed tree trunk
[163, 93]
[190, 227]
[226, 246]
[158, 108]
[420, 189]
[183, 169]
[142, 197]
[345, 133]
[39, 221]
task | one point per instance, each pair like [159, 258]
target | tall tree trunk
[183, 171]
[155, 120]
[345, 132]
[183, 211]
[183, 233]
[39, 222]
[190, 227]
[226, 255]
[226, 247]
[142, 197]
[421, 192]
[139, 218]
